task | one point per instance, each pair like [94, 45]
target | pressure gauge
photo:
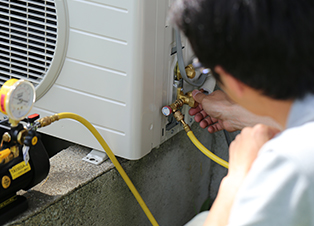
[166, 110]
[17, 98]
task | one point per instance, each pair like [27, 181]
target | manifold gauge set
[24, 161]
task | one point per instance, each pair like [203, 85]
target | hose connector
[45, 121]
[181, 100]
[186, 98]
[174, 107]
[180, 118]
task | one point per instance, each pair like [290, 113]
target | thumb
[264, 133]
[198, 96]
[272, 132]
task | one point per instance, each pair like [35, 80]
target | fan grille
[28, 38]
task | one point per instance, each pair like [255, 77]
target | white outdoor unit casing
[106, 60]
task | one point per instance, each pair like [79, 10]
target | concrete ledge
[173, 180]
[67, 173]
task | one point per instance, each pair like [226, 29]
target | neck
[278, 110]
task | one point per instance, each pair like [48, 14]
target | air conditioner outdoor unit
[109, 61]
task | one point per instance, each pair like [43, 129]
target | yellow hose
[205, 151]
[114, 160]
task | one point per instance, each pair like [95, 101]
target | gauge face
[18, 97]
[21, 100]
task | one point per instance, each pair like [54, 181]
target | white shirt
[279, 189]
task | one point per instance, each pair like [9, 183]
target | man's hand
[242, 153]
[244, 149]
[217, 111]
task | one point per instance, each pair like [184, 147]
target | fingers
[211, 123]
[253, 138]
[214, 128]
[194, 111]
[200, 116]
[206, 122]
[198, 96]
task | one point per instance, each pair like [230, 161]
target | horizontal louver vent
[28, 34]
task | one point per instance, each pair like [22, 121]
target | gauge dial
[17, 98]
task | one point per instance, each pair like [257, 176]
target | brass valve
[21, 136]
[181, 100]
[45, 121]
[180, 118]
[186, 98]
[174, 107]
[189, 70]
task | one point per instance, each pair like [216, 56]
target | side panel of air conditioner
[113, 66]
[110, 75]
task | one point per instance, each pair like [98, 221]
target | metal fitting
[13, 122]
[180, 118]
[183, 99]
[187, 128]
[21, 136]
[186, 98]
[176, 105]
[6, 137]
[189, 70]
[45, 121]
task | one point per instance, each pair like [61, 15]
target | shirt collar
[301, 112]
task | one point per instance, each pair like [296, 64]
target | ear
[231, 85]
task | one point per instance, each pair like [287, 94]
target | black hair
[266, 44]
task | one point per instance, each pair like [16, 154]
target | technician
[262, 53]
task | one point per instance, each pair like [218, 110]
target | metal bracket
[95, 157]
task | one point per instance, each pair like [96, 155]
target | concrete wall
[174, 181]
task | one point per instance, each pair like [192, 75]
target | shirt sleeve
[273, 194]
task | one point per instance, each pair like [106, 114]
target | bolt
[6, 137]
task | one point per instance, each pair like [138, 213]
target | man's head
[266, 44]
